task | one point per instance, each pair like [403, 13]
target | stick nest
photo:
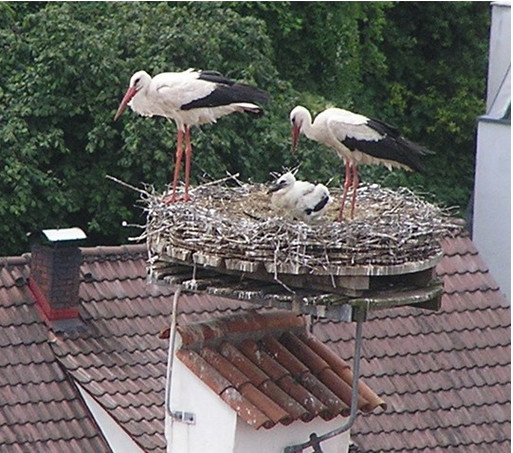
[391, 227]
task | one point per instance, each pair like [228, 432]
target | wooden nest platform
[231, 231]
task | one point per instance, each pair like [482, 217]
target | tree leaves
[66, 65]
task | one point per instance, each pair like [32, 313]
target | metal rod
[315, 440]
[171, 352]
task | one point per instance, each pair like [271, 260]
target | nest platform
[228, 241]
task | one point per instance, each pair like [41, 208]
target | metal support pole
[171, 352]
[315, 440]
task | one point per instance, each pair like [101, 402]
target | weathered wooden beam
[294, 294]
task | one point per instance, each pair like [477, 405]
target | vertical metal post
[315, 440]
[171, 352]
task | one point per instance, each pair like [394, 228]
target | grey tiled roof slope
[39, 407]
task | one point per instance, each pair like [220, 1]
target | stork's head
[138, 81]
[283, 183]
[299, 118]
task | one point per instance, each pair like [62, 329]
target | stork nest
[391, 227]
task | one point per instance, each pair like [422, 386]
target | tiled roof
[445, 376]
[119, 358]
[269, 370]
[39, 407]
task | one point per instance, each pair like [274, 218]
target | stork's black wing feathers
[324, 200]
[383, 128]
[393, 149]
[226, 92]
[392, 146]
[215, 77]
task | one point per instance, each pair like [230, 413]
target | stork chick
[302, 200]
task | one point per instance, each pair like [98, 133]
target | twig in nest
[391, 227]
[129, 186]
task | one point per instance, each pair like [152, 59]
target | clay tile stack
[270, 370]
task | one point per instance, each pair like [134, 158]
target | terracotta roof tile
[278, 374]
[255, 375]
[258, 356]
[445, 376]
[39, 407]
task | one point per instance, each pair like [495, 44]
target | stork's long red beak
[126, 99]
[295, 138]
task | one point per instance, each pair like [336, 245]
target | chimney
[55, 272]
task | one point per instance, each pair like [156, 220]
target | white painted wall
[214, 429]
[276, 439]
[218, 428]
[500, 48]
[116, 436]
[491, 230]
[492, 200]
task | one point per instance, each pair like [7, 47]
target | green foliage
[417, 65]
[434, 87]
[65, 67]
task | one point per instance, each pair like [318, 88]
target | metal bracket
[185, 417]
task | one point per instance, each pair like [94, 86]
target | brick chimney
[55, 272]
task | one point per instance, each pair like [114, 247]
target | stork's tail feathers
[413, 154]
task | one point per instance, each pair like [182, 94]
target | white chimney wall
[215, 422]
[249, 440]
[218, 428]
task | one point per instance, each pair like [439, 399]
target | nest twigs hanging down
[391, 227]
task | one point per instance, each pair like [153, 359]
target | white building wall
[491, 229]
[492, 200]
[276, 439]
[215, 422]
[500, 49]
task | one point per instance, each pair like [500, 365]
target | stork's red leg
[178, 164]
[355, 187]
[347, 184]
[188, 156]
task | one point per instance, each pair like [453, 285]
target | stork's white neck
[303, 119]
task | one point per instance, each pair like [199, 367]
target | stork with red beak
[357, 140]
[189, 98]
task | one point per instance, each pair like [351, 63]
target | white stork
[299, 199]
[357, 140]
[189, 98]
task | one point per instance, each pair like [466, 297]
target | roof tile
[265, 359]
[445, 375]
[39, 408]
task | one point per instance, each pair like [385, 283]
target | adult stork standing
[357, 140]
[189, 98]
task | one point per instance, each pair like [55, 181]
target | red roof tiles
[39, 408]
[264, 367]
[445, 375]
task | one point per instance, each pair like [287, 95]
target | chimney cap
[63, 236]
